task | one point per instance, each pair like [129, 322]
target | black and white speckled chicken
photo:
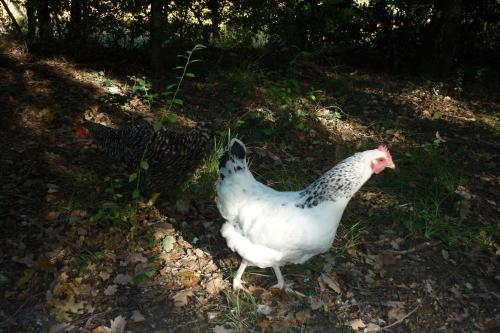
[268, 228]
[172, 155]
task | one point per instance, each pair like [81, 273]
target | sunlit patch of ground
[417, 250]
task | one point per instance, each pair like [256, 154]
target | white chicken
[268, 228]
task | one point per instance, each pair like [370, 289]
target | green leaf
[179, 67]
[136, 194]
[194, 60]
[171, 86]
[189, 75]
[150, 272]
[144, 165]
[140, 278]
[171, 118]
[157, 126]
[199, 47]
[182, 56]
[132, 177]
[300, 126]
[168, 243]
[178, 101]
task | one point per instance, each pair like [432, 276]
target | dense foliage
[396, 34]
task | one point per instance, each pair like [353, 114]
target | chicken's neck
[339, 183]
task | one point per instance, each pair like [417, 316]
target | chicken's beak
[392, 165]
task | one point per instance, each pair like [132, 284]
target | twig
[415, 248]
[399, 321]
[24, 303]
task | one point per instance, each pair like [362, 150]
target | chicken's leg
[237, 284]
[279, 276]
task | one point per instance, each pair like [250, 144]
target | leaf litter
[91, 274]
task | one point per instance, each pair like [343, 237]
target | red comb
[81, 131]
[383, 148]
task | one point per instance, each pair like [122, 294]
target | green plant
[426, 188]
[170, 93]
[284, 179]
[348, 235]
[142, 88]
[240, 81]
[202, 184]
[459, 81]
[242, 311]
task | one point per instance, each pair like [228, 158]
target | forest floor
[417, 250]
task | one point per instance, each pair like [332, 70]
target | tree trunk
[75, 21]
[444, 35]
[156, 33]
[44, 24]
[30, 15]
[215, 7]
[14, 22]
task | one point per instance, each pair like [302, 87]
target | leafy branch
[174, 100]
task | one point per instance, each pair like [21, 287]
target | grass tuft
[202, 185]
[242, 312]
[428, 204]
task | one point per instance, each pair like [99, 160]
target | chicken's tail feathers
[233, 160]
[237, 149]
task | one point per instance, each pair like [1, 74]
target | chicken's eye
[381, 159]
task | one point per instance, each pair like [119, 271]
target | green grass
[491, 121]
[424, 187]
[202, 185]
[240, 81]
[283, 179]
[242, 312]
[348, 235]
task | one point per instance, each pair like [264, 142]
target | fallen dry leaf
[330, 282]
[222, 329]
[215, 285]
[264, 309]
[188, 279]
[263, 322]
[168, 244]
[316, 303]
[123, 279]
[62, 327]
[302, 316]
[137, 317]
[110, 290]
[51, 216]
[397, 311]
[181, 298]
[104, 275]
[371, 327]
[137, 257]
[162, 229]
[445, 254]
[117, 325]
[357, 324]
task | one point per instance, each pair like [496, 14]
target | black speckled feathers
[339, 182]
[236, 155]
[172, 155]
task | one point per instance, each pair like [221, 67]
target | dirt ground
[167, 269]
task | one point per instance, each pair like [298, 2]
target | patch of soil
[168, 270]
